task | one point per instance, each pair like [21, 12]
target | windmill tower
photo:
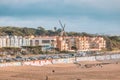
[63, 38]
[63, 33]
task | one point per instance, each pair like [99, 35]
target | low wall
[38, 62]
[108, 57]
[105, 57]
[11, 64]
[91, 58]
[115, 56]
[59, 61]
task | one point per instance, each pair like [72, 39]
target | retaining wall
[91, 58]
[37, 63]
[59, 61]
[10, 64]
[108, 57]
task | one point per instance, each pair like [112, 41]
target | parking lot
[20, 58]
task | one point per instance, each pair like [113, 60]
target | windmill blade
[64, 26]
[63, 33]
[61, 24]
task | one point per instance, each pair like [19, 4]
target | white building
[14, 41]
[46, 42]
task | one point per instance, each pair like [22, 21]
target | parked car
[8, 59]
[1, 60]
[32, 58]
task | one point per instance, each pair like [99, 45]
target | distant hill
[25, 31]
[113, 42]
[17, 31]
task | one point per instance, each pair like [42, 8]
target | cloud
[28, 22]
[58, 8]
[22, 3]
[82, 24]
[14, 2]
[98, 4]
[91, 16]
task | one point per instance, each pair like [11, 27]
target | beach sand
[61, 72]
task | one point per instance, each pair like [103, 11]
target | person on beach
[53, 71]
[46, 78]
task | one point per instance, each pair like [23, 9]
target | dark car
[18, 57]
[8, 59]
[1, 60]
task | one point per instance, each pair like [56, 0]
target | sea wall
[108, 57]
[10, 64]
[61, 61]
[37, 63]
[91, 58]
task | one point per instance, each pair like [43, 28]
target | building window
[36, 42]
[31, 42]
[45, 41]
[52, 40]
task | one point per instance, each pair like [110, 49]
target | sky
[91, 16]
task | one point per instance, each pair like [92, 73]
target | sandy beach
[61, 72]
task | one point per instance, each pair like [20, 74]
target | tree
[41, 31]
[55, 28]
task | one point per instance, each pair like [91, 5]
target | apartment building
[14, 41]
[62, 43]
[45, 42]
[81, 43]
[97, 43]
[2, 41]
[25, 41]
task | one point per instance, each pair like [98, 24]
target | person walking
[46, 78]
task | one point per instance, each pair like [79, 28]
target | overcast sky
[91, 16]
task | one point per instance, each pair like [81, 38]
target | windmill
[63, 33]
[64, 37]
